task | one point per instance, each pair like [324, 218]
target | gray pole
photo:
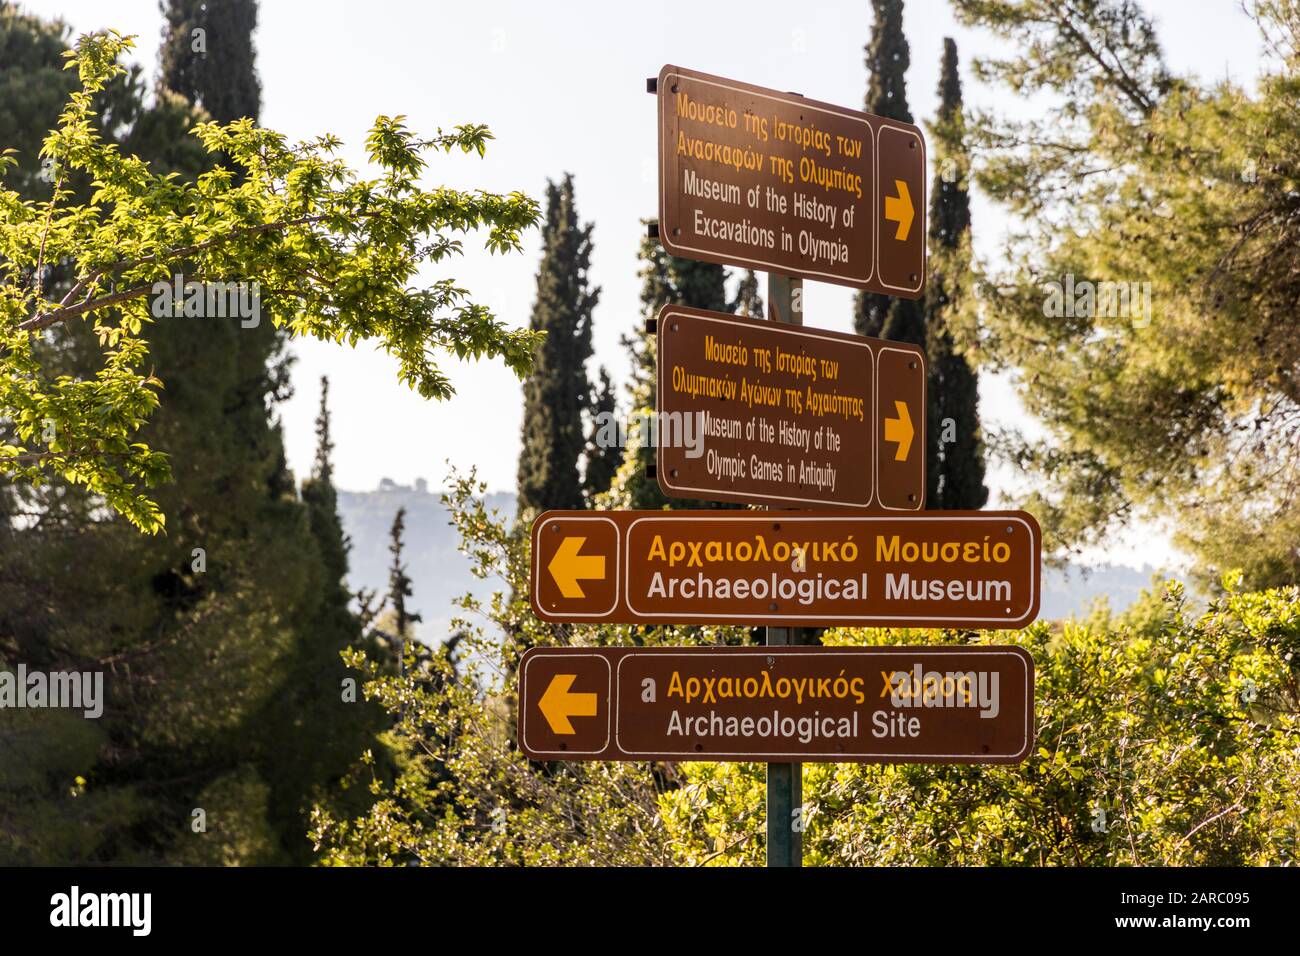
[784, 780]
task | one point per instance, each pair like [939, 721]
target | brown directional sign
[977, 569]
[778, 704]
[766, 413]
[773, 181]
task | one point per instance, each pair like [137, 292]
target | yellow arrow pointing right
[900, 430]
[568, 567]
[899, 209]
[558, 704]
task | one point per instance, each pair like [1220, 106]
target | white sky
[562, 86]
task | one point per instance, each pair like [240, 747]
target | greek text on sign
[787, 415]
[773, 181]
[853, 704]
[977, 569]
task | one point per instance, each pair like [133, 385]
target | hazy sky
[562, 86]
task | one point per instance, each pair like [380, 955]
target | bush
[1165, 737]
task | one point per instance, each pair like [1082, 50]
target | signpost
[784, 783]
[776, 414]
[976, 569]
[778, 704]
[772, 181]
[771, 413]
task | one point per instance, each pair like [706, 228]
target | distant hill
[1073, 590]
[440, 573]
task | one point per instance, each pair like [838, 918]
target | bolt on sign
[773, 181]
[977, 569]
[778, 704]
[766, 413]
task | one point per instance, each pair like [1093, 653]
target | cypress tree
[887, 59]
[321, 499]
[557, 392]
[899, 320]
[601, 462]
[399, 582]
[954, 385]
[207, 56]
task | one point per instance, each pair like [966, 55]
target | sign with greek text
[778, 704]
[782, 415]
[773, 181]
[970, 569]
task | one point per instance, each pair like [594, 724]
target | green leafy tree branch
[334, 256]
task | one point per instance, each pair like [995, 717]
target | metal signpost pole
[784, 780]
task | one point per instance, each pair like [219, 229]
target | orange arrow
[900, 430]
[568, 567]
[558, 705]
[899, 209]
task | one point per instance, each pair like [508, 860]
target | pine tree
[887, 60]
[557, 392]
[208, 57]
[220, 639]
[191, 627]
[954, 385]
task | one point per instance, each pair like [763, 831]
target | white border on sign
[916, 207]
[878, 433]
[1027, 736]
[768, 266]
[775, 617]
[537, 566]
[523, 697]
[663, 364]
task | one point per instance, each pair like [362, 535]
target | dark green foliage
[221, 640]
[557, 392]
[888, 57]
[601, 462]
[208, 58]
[883, 316]
[399, 583]
[957, 481]
[313, 733]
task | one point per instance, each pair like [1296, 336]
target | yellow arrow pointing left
[568, 567]
[899, 209]
[558, 704]
[900, 430]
